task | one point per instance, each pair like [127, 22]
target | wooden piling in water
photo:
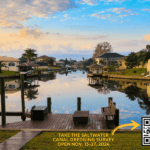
[78, 103]
[116, 117]
[2, 79]
[49, 105]
[109, 99]
[22, 96]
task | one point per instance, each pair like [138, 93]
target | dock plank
[59, 121]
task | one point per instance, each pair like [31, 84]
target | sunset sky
[72, 29]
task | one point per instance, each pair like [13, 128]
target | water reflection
[139, 90]
[46, 76]
[31, 94]
[132, 91]
[65, 89]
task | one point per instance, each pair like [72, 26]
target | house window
[120, 63]
[11, 86]
[11, 64]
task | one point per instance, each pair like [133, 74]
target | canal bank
[127, 77]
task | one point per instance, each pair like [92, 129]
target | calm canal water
[131, 97]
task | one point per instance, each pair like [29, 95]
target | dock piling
[116, 117]
[78, 103]
[109, 99]
[22, 96]
[2, 79]
[49, 105]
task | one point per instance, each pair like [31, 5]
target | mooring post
[78, 103]
[114, 103]
[49, 105]
[22, 96]
[2, 79]
[116, 117]
[109, 99]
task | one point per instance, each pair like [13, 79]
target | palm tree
[29, 54]
[2, 65]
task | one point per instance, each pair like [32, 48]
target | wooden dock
[59, 121]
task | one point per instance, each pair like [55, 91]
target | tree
[145, 56]
[131, 60]
[66, 61]
[101, 49]
[2, 65]
[29, 54]
[83, 58]
[48, 60]
[101, 61]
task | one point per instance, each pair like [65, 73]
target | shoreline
[126, 77]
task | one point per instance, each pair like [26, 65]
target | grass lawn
[8, 73]
[131, 72]
[122, 141]
[6, 134]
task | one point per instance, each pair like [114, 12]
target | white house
[10, 62]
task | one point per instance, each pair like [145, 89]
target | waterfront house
[39, 59]
[10, 62]
[109, 59]
[60, 63]
[122, 65]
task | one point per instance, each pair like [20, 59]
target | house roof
[110, 55]
[3, 58]
[27, 65]
[122, 58]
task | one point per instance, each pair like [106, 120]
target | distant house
[109, 59]
[44, 57]
[60, 63]
[10, 62]
[122, 62]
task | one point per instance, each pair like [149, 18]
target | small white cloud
[101, 11]
[66, 15]
[83, 16]
[146, 9]
[54, 17]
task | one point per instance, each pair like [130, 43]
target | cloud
[66, 15]
[13, 13]
[130, 45]
[27, 33]
[101, 11]
[120, 10]
[146, 9]
[83, 16]
[92, 37]
[121, 16]
[89, 2]
[98, 16]
[147, 37]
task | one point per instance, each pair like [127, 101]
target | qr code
[145, 130]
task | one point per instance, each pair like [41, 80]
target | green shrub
[111, 68]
